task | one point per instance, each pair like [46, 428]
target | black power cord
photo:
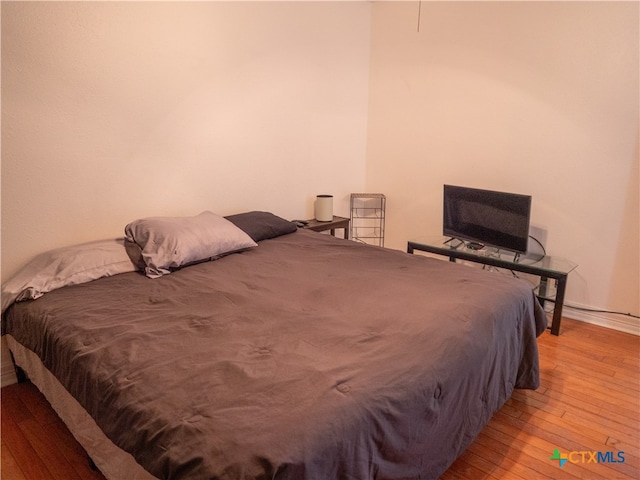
[544, 251]
[575, 307]
[596, 310]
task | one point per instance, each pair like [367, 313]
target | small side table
[337, 222]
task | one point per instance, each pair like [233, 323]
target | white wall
[117, 110]
[539, 98]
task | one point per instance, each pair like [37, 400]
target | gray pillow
[167, 243]
[66, 266]
[262, 225]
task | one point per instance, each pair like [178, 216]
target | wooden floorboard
[588, 401]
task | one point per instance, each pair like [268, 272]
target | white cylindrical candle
[324, 208]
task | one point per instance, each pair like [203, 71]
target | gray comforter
[308, 357]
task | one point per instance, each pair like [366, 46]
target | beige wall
[116, 110]
[539, 98]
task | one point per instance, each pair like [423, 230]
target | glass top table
[543, 266]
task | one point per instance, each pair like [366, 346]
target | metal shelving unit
[368, 217]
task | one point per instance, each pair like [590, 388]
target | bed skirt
[113, 462]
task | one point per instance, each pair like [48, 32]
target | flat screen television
[486, 217]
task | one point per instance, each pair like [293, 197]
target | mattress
[308, 357]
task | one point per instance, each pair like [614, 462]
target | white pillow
[172, 242]
[66, 266]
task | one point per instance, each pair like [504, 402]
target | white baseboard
[609, 320]
[7, 375]
[7, 372]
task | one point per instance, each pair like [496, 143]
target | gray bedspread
[307, 357]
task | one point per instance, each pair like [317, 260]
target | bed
[289, 355]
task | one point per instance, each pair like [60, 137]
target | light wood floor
[588, 401]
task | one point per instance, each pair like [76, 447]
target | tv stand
[546, 267]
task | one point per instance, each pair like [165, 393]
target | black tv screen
[487, 217]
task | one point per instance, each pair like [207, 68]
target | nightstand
[337, 222]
